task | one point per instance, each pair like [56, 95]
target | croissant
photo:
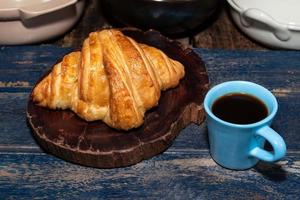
[113, 79]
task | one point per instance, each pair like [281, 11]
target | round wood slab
[94, 144]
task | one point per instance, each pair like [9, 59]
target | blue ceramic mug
[238, 146]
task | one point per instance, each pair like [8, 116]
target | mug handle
[275, 140]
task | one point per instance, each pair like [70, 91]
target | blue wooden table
[184, 171]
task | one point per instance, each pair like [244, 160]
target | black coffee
[239, 108]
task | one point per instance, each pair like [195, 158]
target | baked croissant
[113, 79]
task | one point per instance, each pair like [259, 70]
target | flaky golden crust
[113, 78]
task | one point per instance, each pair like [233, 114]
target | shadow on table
[272, 172]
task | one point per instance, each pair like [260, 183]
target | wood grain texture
[184, 171]
[16, 135]
[277, 70]
[95, 144]
[221, 33]
[224, 34]
[172, 175]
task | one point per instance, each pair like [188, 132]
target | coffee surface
[239, 108]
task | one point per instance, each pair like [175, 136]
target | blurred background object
[31, 21]
[171, 17]
[221, 34]
[274, 23]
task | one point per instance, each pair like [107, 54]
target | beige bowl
[32, 21]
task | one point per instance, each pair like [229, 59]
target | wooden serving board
[94, 144]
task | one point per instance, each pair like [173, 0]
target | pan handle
[44, 8]
[279, 30]
[27, 12]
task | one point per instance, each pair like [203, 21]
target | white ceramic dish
[31, 21]
[275, 23]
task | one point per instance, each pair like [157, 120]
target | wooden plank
[274, 69]
[16, 135]
[26, 64]
[224, 34]
[184, 171]
[222, 66]
[185, 175]
[21, 67]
